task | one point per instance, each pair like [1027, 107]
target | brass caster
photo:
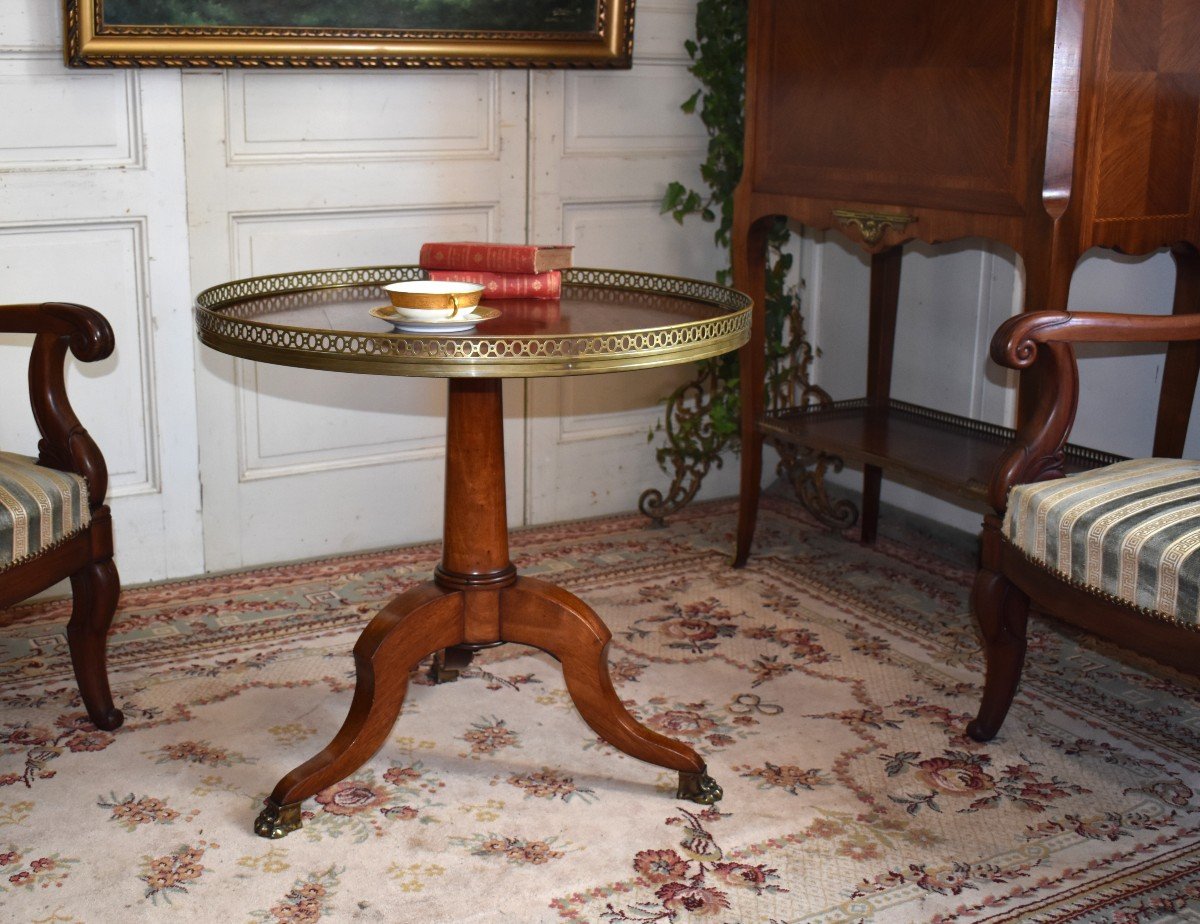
[449, 664]
[698, 787]
[440, 673]
[276, 821]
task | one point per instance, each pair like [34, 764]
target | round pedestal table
[605, 321]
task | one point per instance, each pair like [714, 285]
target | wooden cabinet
[1051, 127]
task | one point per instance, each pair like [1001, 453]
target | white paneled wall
[131, 190]
[98, 124]
[92, 210]
[305, 170]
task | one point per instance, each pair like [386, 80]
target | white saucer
[457, 325]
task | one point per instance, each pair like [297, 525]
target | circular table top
[606, 320]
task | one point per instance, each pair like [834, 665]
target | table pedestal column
[477, 599]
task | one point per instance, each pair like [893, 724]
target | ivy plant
[718, 56]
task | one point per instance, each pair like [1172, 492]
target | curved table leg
[414, 624]
[539, 614]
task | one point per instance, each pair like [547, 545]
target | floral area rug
[827, 685]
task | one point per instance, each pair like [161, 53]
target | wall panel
[66, 119]
[337, 170]
[600, 120]
[356, 116]
[92, 210]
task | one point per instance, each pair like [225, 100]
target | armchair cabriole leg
[95, 590]
[1003, 612]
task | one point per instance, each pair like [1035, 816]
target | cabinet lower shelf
[914, 444]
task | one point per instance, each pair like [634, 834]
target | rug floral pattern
[827, 685]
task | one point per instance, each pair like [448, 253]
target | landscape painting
[492, 15]
[349, 33]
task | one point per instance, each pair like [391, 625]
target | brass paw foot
[276, 820]
[698, 787]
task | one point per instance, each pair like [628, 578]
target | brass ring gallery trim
[469, 356]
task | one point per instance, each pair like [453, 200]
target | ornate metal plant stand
[805, 468]
[694, 445]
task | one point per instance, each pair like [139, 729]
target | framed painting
[348, 33]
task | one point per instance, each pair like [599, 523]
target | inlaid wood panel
[1145, 179]
[920, 99]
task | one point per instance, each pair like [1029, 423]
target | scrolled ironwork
[694, 444]
[688, 409]
[805, 468]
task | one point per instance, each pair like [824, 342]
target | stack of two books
[504, 270]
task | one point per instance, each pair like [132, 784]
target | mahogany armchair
[1115, 550]
[53, 520]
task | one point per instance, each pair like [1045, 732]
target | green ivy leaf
[672, 197]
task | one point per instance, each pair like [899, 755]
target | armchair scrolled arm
[1017, 566]
[1015, 343]
[1018, 334]
[59, 326]
[1048, 338]
[88, 332]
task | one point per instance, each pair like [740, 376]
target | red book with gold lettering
[506, 285]
[479, 256]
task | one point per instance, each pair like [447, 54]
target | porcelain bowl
[427, 299]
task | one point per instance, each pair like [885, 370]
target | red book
[478, 256]
[506, 285]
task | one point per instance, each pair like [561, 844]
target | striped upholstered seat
[39, 507]
[1129, 530]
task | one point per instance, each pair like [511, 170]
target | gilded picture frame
[348, 33]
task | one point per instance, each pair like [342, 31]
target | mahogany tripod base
[431, 618]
